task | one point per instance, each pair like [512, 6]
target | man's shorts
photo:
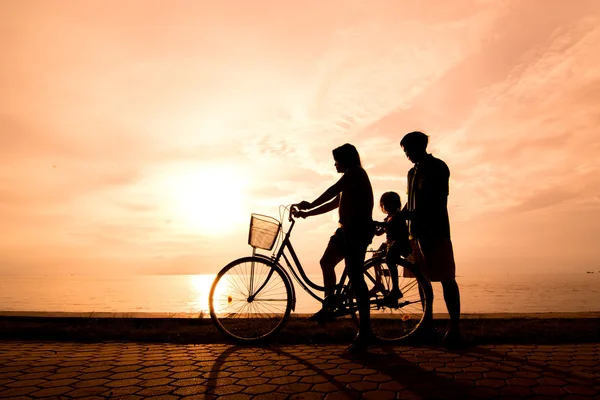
[435, 257]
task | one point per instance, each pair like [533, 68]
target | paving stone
[227, 389]
[87, 392]
[526, 382]
[52, 392]
[325, 387]
[189, 382]
[18, 391]
[379, 395]
[490, 383]
[377, 378]
[343, 395]
[191, 390]
[58, 382]
[253, 381]
[151, 375]
[123, 382]
[186, 375]
[482, 393]
[156, 382]
[362, 386]
[252, 374]
[516, 391]
[284, 380]
[260, 389]
[580, 390]
[91, 383]
[25, 383]
[550, 391]
[155, 390]
[163, 397]
[236, 396]
[270, 396]
[348, 378]
[294, 388]
[307, 396]
[220, 381]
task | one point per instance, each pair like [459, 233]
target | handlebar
[293, 209]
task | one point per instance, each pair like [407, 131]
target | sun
[206, 199]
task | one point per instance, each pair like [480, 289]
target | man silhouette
[429, 225]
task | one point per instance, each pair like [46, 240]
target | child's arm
[379, 228]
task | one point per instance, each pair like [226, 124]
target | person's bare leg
[390, 260]
[332, 256]
[354, 265]
[452, 299]
[328, 263]
[453, 337]
[391, 298]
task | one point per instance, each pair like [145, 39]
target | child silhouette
[397, 242]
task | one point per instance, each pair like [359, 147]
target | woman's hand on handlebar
[297, 213]
[303, 205]
[301, 214]
[298, 209]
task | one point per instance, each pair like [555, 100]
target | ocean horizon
[174, 294]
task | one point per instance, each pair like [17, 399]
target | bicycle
[252, 297]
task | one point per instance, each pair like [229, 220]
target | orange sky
[137, 136]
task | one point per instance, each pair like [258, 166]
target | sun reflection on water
[201, 285]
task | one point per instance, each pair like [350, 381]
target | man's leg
[418, 258]
[452, 299]
[453, 338]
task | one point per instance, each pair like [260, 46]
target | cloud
[534, 129]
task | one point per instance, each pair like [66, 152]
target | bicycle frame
[291, 260]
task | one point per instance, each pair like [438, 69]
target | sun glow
[201, 285]
[206, 199]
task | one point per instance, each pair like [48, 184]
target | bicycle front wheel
[250, 300]
[399, 322]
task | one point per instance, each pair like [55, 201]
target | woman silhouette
[352, 194]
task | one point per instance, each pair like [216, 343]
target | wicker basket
[263, 231]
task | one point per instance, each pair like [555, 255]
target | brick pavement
[169, 371]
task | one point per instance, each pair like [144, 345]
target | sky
[137, 137]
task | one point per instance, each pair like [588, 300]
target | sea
[188, 294]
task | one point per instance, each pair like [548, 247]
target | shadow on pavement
[401, 372]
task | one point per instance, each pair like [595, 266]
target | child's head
[390, 202]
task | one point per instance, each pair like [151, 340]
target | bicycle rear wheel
[250, 300]
[397, 324]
